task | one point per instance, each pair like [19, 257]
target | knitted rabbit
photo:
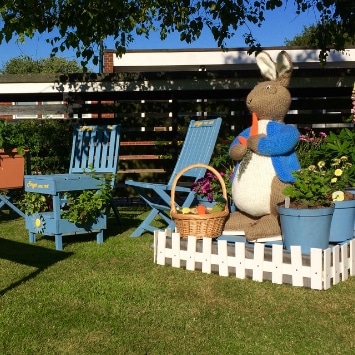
[264, 152]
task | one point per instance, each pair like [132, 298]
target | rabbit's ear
[266, 65]
[284, 68]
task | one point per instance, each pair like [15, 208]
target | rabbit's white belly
[252, 192]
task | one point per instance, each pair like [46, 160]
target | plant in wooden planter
[33, 202]
[82, 207]
[86, 206]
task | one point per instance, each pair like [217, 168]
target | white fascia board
[34, 88]
[195, 59]
[29, 88]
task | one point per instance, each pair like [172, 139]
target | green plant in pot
[342, 226]
[336, 149]
[310, 146]
[11, 138]
[319, 186]
[12, 150]
[339, 144]
[307, 216]
[307, 213]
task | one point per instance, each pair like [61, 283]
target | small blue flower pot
[342, 226]
[352, 190]
[308, 228]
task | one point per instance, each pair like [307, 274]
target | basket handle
[190, 167]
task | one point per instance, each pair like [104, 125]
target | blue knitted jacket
[279, 144]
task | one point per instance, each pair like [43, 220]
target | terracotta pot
[12, 168]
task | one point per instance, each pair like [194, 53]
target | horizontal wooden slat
[140, 171]
[139, 157]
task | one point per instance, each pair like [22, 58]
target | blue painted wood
[5, 200]
[198, 147]
[95, 148]
[52, 184]
[50, 225]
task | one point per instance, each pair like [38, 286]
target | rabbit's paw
[253, 142]
[238, 151]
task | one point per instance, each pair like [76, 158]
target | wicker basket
[208, 225]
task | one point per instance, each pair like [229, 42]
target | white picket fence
[319, 270]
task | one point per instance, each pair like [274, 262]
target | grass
[112, 299]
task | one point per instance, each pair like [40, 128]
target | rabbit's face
[269, 100]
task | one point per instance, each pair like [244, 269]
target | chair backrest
[198, 147]
[95, 148]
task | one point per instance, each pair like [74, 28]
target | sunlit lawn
[112, 299]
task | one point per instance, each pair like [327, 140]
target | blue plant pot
[308, 228]
[342, 226]
[204, 201]
[352, 190]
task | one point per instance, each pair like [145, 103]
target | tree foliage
[27, 65]
[309, 36]
[305, 38]
[84, 24]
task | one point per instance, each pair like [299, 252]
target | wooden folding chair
[197, 148]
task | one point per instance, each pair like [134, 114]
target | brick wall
[8, 117]
[108, 61]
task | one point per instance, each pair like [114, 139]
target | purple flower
[210, 197]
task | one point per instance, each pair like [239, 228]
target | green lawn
[112, 299]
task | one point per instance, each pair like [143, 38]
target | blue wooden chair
[94, 149]
[198, 147]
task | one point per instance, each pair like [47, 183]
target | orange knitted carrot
[254, 124]
[253, 129]
[201, 209]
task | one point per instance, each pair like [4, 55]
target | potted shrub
[307, 217]
[11, 156]
[307, 213]
[338, 144]
[335, 149]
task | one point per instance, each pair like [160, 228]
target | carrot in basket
[201, 209]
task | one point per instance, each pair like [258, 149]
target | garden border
[319, 270]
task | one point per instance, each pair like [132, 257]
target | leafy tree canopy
[84, 24]
[309, 36]
[27, 65]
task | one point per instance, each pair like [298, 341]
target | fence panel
[319, 270]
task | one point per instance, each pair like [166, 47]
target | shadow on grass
[130, 218]
[29, 255]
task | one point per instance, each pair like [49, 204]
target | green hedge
[49, 143]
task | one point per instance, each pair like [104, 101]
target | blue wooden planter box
[44, 223]
[51, 223]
